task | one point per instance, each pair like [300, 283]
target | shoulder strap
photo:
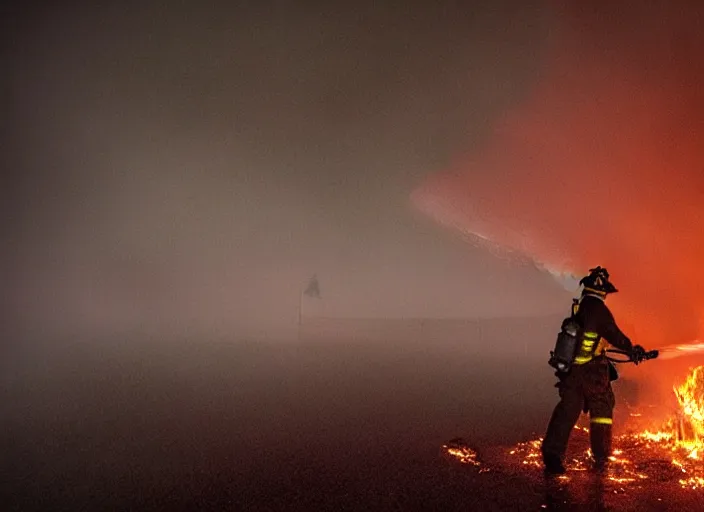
[575, 307]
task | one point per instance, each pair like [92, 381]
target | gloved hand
[637, 354]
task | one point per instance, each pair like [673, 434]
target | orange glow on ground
[673, 450]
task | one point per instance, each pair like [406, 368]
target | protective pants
[585, 388]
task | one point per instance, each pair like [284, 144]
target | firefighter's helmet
[598, 282]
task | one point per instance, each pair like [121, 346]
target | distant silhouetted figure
[313, 288]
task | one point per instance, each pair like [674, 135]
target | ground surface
[159, 425]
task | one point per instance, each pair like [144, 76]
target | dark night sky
[181, 166]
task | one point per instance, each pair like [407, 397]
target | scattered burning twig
[459, 449]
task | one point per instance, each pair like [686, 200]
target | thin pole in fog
[300, 313]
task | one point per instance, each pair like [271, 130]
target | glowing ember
[671, 453]
[458, 449]
[638, 458]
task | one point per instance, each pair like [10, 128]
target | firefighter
[586, 385]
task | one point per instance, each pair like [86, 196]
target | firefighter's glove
[637, 354]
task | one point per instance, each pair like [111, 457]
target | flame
[675, 448]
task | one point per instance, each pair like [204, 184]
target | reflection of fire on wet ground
[674, 452]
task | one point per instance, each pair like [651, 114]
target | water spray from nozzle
[685, 349]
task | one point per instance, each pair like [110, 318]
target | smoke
[189, 166]
[602, 164]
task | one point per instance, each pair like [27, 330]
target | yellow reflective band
[603, 421]
[582, 360]
[592, 335]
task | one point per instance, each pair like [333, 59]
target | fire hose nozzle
[652, 354]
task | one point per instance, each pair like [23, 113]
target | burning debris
[674, 452]
[460, 450]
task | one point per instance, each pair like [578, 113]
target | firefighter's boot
[553, 465]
